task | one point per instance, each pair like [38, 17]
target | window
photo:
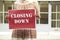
[54, 16]
[58, 8]
[1, 18]
[53, 23]
[1, 13]
[55, 19]
[44, 19]
[7, 5]
[4, 7]
[43, 12]
[1, 6]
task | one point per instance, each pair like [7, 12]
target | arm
[7, 17]
[15, 5]
[37, 9]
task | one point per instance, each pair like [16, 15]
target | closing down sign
[21, 19]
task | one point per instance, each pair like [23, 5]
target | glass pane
[58, 15]
[42, 2]
[58, 23]
[8, 5]
[1, 18]
[5, 20]
[44, 19]
[1, 0]
[53, 15]
[53, 8]
[53, 24]
[44, 6]
[55, 2]
[1, 6]
[58, 8]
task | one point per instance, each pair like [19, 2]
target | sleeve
[37, 7]
[15, 5]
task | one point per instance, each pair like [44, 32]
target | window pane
[8, 5]
[53, 24]
[44, 19]
[43, 6]
[5, 20]
[58, 23]
[1, 6]
[1, 18]
[53, 15]
[1, 0]
[58, 15]
[55, 2]
[58, 8]
[42, 3]
[53, 8]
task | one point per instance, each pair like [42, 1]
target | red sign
[21, 19]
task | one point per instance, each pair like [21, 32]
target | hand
[38, 17]
[7, 17]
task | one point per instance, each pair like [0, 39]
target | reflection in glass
[44, 19]
[58, 8]
[44, 2]
[1, 6]
[1, 0]
[53, 8]
[58, 15]
[44, 8]
[5, 20]
[58, 23]
[53, 24]
[53, 15]
[8, 6]
[55, 2]
[1, 18]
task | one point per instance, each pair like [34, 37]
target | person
[25, 33]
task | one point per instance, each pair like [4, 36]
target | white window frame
[56, 28]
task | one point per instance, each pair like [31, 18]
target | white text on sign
[26, 15]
